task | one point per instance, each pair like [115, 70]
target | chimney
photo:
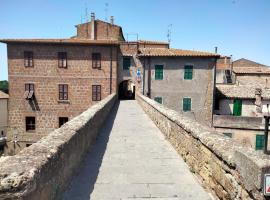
[216, 49]
[92, 16]
[112, 20]
[93, 28]
[258, 101]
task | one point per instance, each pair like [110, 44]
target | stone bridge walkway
[132, 160]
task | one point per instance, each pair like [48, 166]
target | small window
[228, 135]
[237, 107]
[186, 104]
[30, 123]
[96, 92]
[126, 63]
[158, 72]
[28, 59]
[29, 91]
[96, 60]
[62, 59]
[63, 92]
[158, 99]
[62, 121]
[188, 74]
[259, 142]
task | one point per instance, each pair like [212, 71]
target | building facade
[54, 80]
[240, 106]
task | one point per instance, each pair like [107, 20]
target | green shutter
[158, 99]
[126, 63]
[259, 142]
[228, 135]
[186, 104]
[237, 107]
[158, 72]
[188, 72]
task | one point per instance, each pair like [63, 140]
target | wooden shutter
[186, 104]
[188, 74]
[158, 99]
[96, 92]
[126, 63]
[237, 107]
[96, 60]
[158, 72]
[259, 142]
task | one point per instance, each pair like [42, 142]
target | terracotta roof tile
[242, 92]
[173, 52]
[3, 95]
[251, 70]
[60, 41]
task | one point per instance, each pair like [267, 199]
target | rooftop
[173, 52]
[245, 66]
[3, 95]
[242, 92]
[61, 41]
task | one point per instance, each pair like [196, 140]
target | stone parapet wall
[230, 170]
[43, 170]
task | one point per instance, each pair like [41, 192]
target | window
[188, 72]
[29, 91]
[62, 121]
[259, 142]
[30, 123]
[126, 63]
[63, 92]
[28, 59]
[62, 59]
[228, 135]
[158, 99]
[96, 61]
[186, 104]
[158, 72]
[96, 92]
[237, 107]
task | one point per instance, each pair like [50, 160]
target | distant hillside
[4, 86]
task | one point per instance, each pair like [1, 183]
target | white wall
[3, 114]
[248, 107]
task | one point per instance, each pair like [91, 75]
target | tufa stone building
[54, 80]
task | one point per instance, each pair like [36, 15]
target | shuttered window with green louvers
[186, 104]
[158, 72]
[188, 74]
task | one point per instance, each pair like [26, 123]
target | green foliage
[4, 86]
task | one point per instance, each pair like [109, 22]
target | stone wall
[230, 170]
[43, 170]
[46, 77]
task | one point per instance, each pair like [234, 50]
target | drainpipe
[143, 74]
[214, 89]
[258, 101]
[111, 70]
[149, 77]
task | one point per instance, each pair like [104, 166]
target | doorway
[126, 90]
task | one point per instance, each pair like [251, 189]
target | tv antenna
[106, 11]
[169, 33]
[86, 13]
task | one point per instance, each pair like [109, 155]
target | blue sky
[238, 27]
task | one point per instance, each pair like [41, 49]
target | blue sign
[138, 72]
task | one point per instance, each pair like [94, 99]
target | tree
[4, 86]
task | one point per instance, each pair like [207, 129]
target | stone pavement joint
[132, 160]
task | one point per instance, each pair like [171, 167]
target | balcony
[238, 122]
